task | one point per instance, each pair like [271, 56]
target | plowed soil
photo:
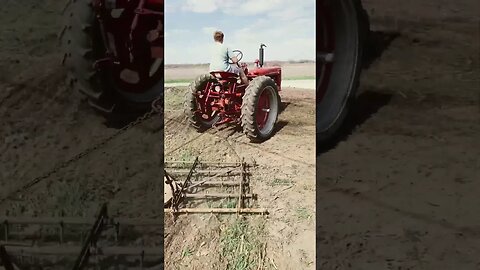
[283, 178]
[43, 123]
[400, 189]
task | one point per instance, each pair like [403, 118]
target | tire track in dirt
[43, 123]
[398, 190]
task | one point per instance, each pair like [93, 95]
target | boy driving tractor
[221, 57]
[218, 98]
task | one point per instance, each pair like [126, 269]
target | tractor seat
[223, 75]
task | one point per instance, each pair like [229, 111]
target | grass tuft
[242, 248]
[303, 213]
[187, 252]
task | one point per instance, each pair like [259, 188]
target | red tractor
[113, 51]
[219, 98]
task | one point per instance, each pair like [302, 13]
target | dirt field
[283, 178]
[400, 190]
[44, 123]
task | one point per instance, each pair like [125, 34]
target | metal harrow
[93, 247]
[197, 176]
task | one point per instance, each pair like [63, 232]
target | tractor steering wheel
[238, 54]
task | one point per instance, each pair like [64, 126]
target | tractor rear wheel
[260, 108]
[342, 32]
[194, 100]
[83, 45]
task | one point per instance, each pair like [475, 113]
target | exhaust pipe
[261, 54]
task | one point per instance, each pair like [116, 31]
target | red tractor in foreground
[219, 98]
[113, 51]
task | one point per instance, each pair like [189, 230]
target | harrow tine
[6, 229]
[5, 259]
[62, 227]
[219, 195]
[203, 172]
[133, 251]
[240, 195]
[215, 164]
[216, 183]
[80, 221]
[187, 180]
[178, 196]
[91, 238]
[217, 211]
[210, 178]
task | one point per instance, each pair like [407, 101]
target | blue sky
[287, 27]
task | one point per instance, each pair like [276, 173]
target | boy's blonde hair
[218, 36]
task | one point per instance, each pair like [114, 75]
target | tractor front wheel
[198, 117]
[260, 108]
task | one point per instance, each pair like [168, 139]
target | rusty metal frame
[88, 247]
[180, 194]
[219, 169]
[92, 238]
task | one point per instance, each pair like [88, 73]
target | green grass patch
[232, 203]
[187, 156]
[228, 203]
[224, 203]
[186, 252]
[303, 213]
[280, 182]
[242, 247]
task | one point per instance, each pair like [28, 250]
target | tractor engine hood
[273, 72]
[266, 71]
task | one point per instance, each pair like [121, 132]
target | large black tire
[351, 26]
[190, 106]
[83, 45]
[249, 109]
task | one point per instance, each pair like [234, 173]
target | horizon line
[274, 61]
